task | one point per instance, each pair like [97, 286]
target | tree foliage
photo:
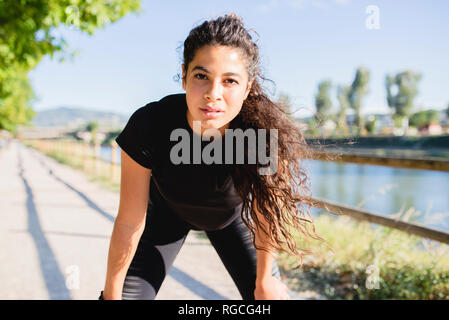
[358, 90]
[92, 126]
[343, 100]
[401, 91]
[16, 95]
[285, 103]
[371, 124]
[27, 35]
[323, 102]
[422, 118]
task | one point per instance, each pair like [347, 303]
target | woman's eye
[231, 81]
[199, 76]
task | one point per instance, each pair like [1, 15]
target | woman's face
[216, 85]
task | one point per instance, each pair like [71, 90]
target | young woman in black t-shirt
[248, 215]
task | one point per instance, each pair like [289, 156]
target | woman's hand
[271, 288]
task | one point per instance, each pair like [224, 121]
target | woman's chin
[211, 124]
[214, 127]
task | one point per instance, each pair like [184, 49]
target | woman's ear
[248, 88]
[183, 77]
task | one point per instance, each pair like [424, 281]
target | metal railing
[427, 163]
[364, 215]
[397, 162]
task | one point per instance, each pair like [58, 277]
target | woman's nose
[214, 91]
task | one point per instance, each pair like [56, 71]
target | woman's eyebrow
[207, 71]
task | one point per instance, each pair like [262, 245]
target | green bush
[424, 117]
[369, 262]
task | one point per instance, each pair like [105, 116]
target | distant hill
[78, 117]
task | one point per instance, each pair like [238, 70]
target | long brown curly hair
[283, 198]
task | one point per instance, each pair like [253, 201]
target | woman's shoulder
[173, 98]
[149, 126]
[157, 111]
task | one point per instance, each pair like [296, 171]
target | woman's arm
[267, 286]
[129, 224]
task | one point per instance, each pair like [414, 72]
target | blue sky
[133, 61]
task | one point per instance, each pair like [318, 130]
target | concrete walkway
[55, 230]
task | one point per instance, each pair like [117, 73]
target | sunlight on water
[422, 194]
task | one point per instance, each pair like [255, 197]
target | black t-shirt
[203, 195]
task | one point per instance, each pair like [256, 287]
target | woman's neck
[202, 129]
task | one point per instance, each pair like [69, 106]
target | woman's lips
[213, 113]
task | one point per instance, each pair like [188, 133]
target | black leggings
[161, 241]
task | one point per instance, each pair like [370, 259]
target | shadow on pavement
[53, 277]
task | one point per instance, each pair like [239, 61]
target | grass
[103, 180]
[382, 263]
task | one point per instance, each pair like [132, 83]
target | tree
[357, 91]
[284, 102]
[16, 95]
[370, 124]
[433, 116]
[323, 102]
[92, 127]
[401, 91]
[343, 99]
[422, 118]
[111, 136]
[312, 127]
[26, 36]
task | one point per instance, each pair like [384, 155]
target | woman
[248, 216]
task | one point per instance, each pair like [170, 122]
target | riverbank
[399, 146]
[382, 263]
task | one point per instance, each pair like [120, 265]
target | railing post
[113, 160]
[85, 147]
[97, 157]
[69, 149]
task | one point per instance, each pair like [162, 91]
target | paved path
[55, 230]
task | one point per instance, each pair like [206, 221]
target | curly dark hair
[283, 198]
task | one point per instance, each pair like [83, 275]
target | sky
[134, 61]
